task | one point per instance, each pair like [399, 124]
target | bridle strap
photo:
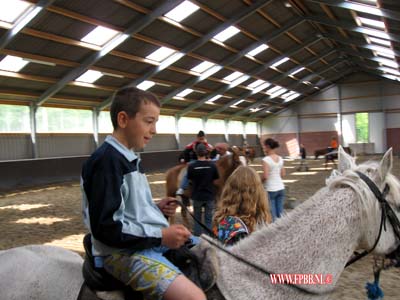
[386, 213]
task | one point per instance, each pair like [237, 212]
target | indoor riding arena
[301, 72]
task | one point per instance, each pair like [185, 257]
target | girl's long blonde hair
[244, 196]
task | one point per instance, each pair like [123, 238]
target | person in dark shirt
[303, 155]
[203, 173]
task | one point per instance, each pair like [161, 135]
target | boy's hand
[168, 206]
[175, 236]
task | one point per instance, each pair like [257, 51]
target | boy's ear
[122, 119]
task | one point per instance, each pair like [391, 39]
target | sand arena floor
[51, 215]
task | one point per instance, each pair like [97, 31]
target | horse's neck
[318, 237]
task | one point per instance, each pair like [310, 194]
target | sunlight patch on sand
[41, 220]
[71, 242]
[25, 206]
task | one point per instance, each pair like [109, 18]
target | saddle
[198, 263]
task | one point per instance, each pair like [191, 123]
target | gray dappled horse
[318, 237]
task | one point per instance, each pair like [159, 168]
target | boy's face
[140, 129]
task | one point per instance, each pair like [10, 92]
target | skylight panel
[286, 95]
[12, 63]
[11, 10]
[376, 33]
[160, 54]
[388, 55]
[274, 89]
[371, 22]
[261, 87]
[257, 50]
[184, 93]
[282, 61]
[297, 71]
[200, 68]
[389, 70]
[182, 11]
[237, 103]
[231, 77]
[255, 83]
[239, 80]
[379, 41]
[89, 76]
[216, 97]
[145, 85]
[226, 34]
[99, 36]
[292, 97]
[389, 63]
[278, 93]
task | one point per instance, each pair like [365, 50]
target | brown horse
[225, 165]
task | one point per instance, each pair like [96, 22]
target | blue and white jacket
[117, 203]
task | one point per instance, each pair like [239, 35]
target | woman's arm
[265, 171]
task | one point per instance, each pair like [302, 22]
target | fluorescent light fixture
[283, 60]
[160, 54]
[278, 93]
[226, 34]
[231, 77]
[261, 87]
[145, 85]
[292, 97]
[182, 11]
[41, 62]
[99, 36]
[255, 109]
[274, 89]
[255, 83]
[388, 55]
[113, 75]
[306, 82]
[379, 41]
[11, 10]
[376, 33]
[237, 103]
[89, 76]
[184, 93]
[214, 98]
[200, 68]
[297, 71]
[12, 63]
[371, 22]
[257, 50]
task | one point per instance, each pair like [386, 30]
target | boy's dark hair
[201, 149]
[201, 134]
[271, 143]
[129, 100]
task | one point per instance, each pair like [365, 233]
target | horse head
[380, 231]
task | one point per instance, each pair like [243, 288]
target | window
[235, 127]
[105, 125]
[190, 125]
[51, 119]
[362, 132]
[215, 126]
[166, 124]
[14, 118]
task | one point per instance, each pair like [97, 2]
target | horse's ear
[386, 163]
[345, 160]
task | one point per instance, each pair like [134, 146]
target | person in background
[242, 208]
[220, 150]
[129, 232]
[273, 171]
[303, 156]
[202, 173]
[189, 155]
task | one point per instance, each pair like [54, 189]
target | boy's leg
[149, 272]
[182, 288]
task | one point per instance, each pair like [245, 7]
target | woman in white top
[272, 177]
